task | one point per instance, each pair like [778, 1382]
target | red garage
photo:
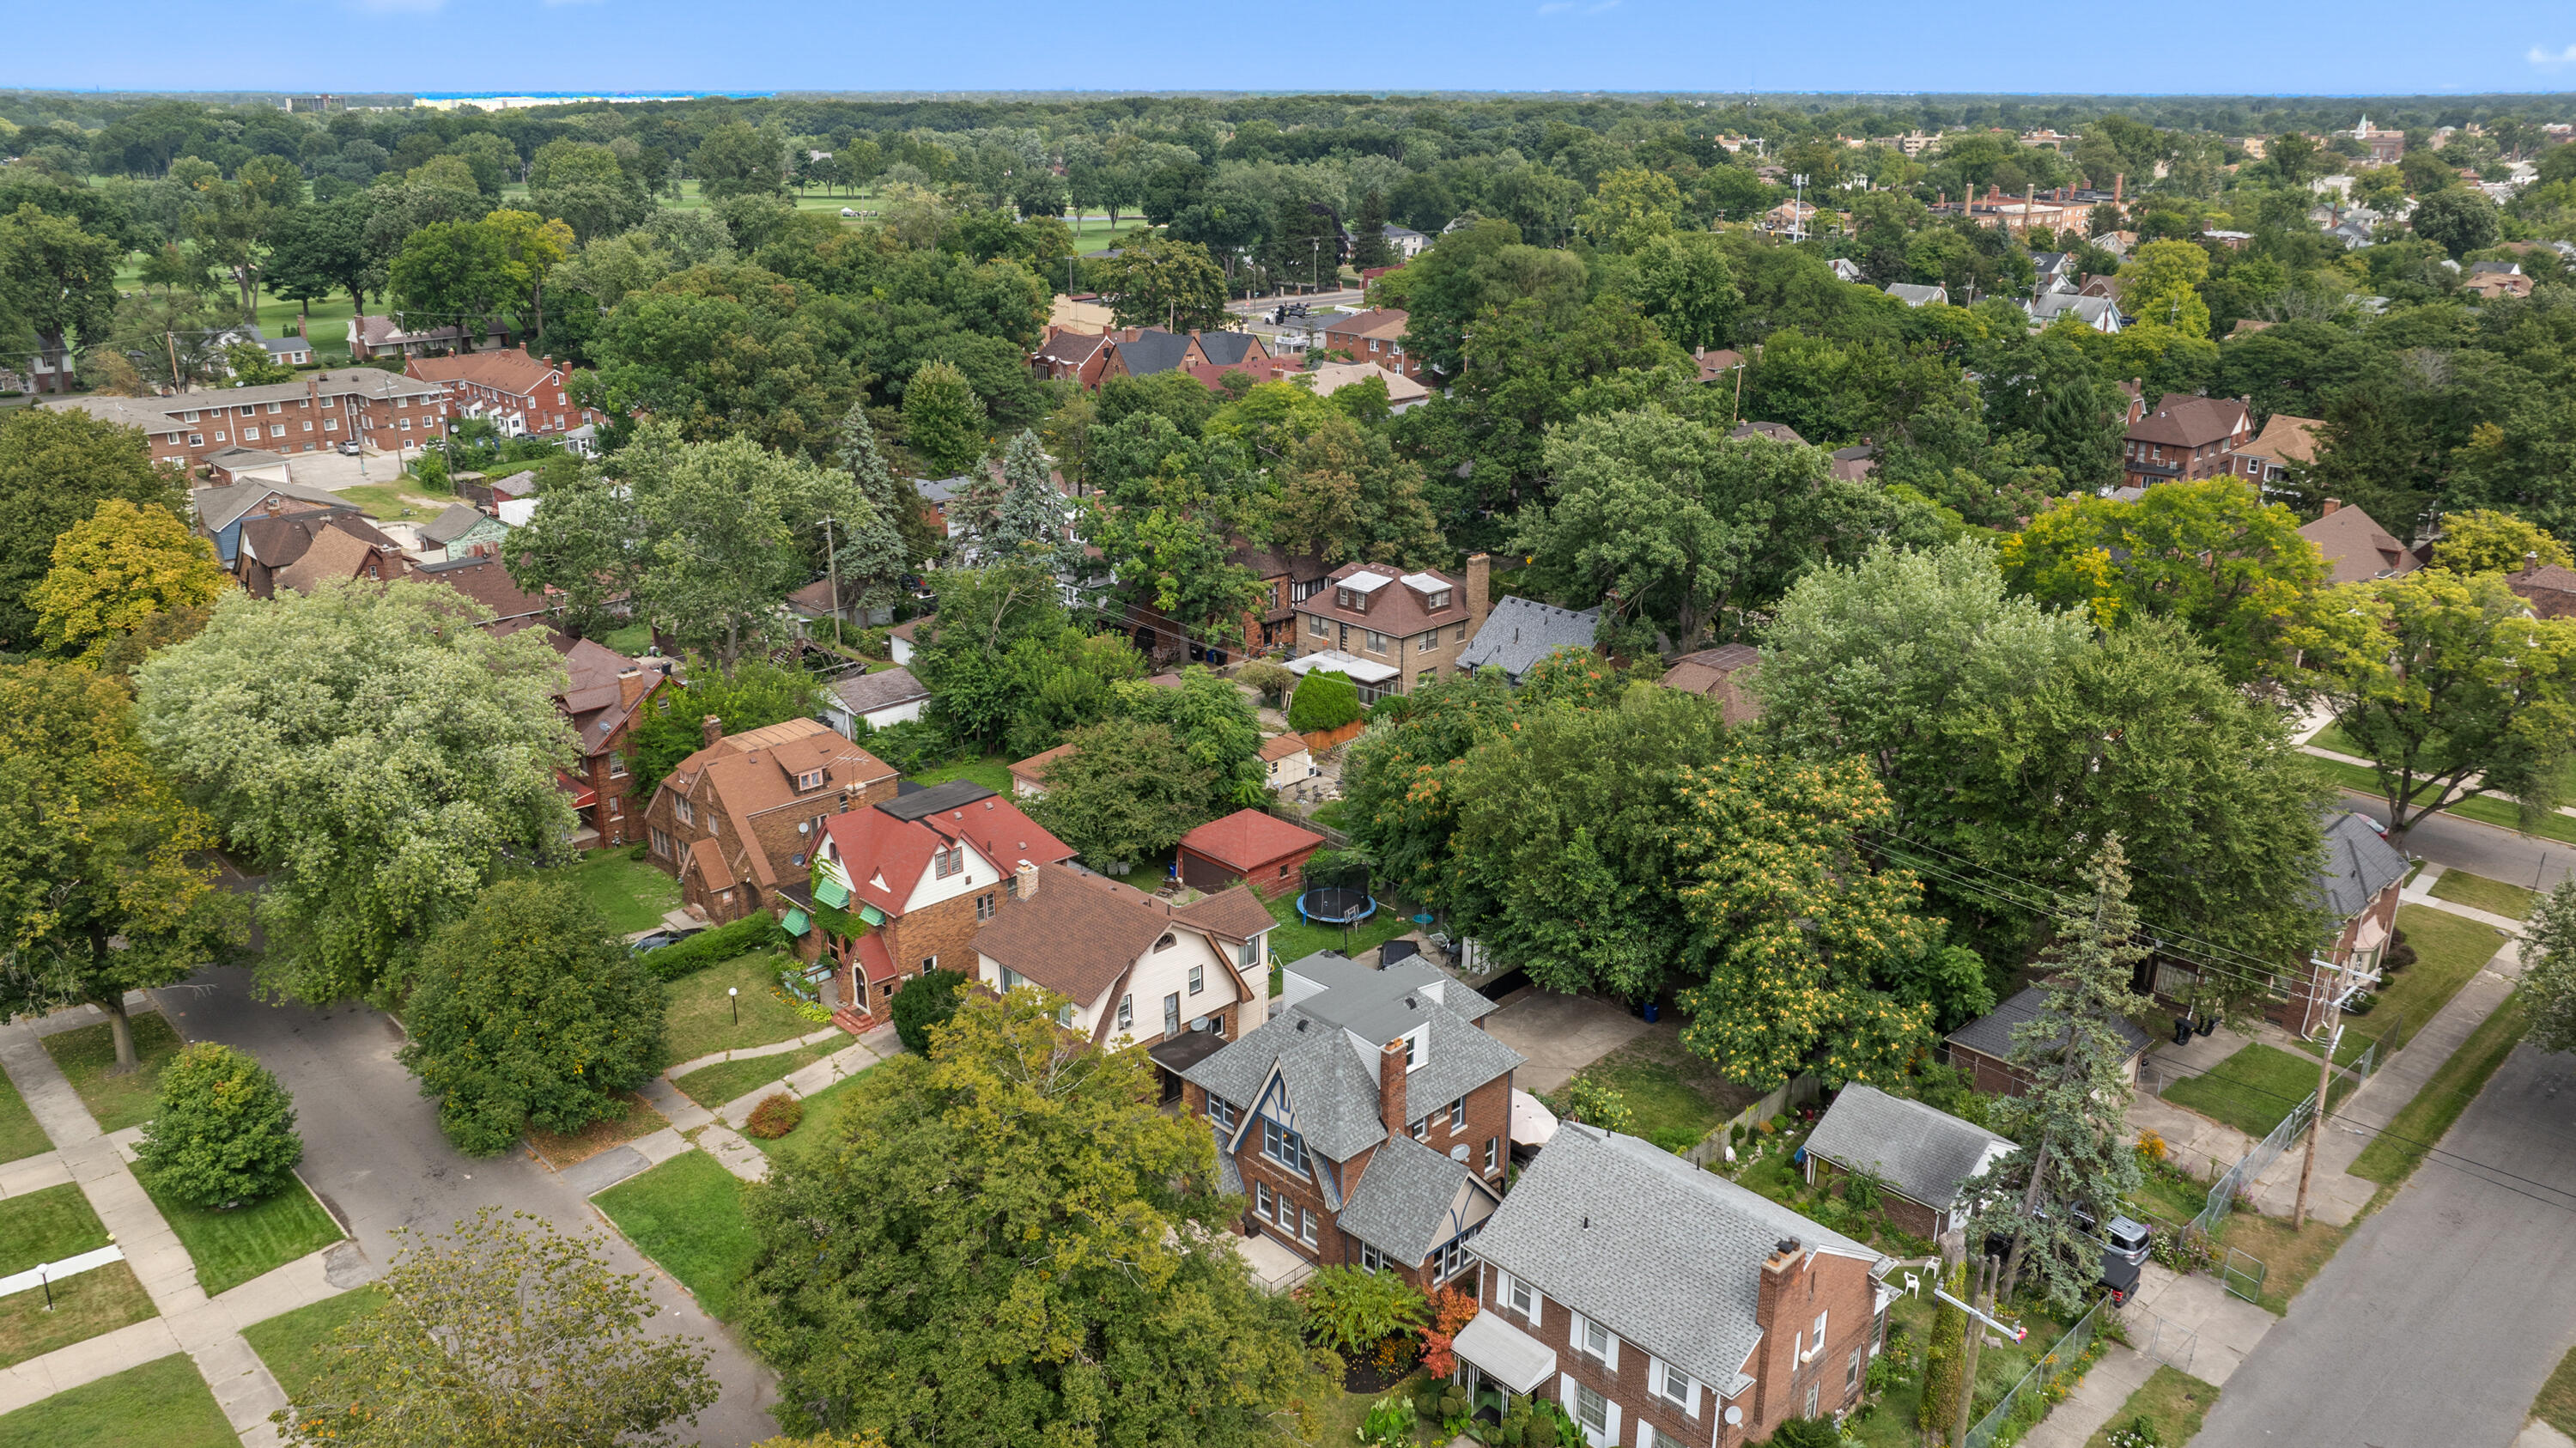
[1261, 850]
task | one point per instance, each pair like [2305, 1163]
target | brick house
[315, 413]
[1386, 628]
[2548, 588]
[369, 336]
[737, 819]
[521, 395]
[300, 551]
[1070, 355]
[1287, 579]
[1376, 335]
[221, 513]
[1259, 849]
[1983, 1047]
[1366, 1124]
[1920, 1156]
[2183, 439]
[1660, 1304]
[2286, 442]
[901, 885]
[487, 581]
[604, 693]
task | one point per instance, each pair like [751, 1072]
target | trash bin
[1653, 1011]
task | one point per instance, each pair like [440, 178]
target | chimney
[631, 685]
[1782, 1326]
[2331, 505]
[1480, 588]
[1390, 1088]
[1024, 882]
[2118, 180]
[710, 729]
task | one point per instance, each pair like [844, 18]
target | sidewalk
[718, 1133]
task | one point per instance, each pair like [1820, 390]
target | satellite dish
[1734, 1415]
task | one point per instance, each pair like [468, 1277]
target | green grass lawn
[702, 1018]
[46, 1226]
[632, 640]
[1294, 939]
[19, 1133]
[87, 1055]
[2253, 1089]
[162, 1404]
[1333, 815]
[1675, 1098]
[2449, 949]
[993, 772]
[289, 1342]
[2556, 1404]
[819, 1109]
[328, 329]
[2395, 1154]
[630, 892]
[1338, 1417]
[2173, 1400]
[713, 1086]
[2480, 893]
[232, 1247]
[385, 502]
[686, 1214]
[2484, 810]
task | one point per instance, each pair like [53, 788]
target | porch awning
[828, 891]
[1504, 1353]
[796, 922]
[871, 914]
[1333, 661]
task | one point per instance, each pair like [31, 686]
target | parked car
[2119, 1277]
[2130, 1239]
[658, 939]
[348, 449]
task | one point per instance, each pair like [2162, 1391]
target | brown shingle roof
[1249, 838]
[2183, 421]
[511, 370]
[1034, 768]
[1394, 608]
[1078, 934]
[2357, 548]
[1383, 322]
[755, 772]
[487, 582]
[2286, 439]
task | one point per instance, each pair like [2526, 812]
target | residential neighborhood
[1285, 768]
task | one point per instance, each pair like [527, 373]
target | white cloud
[2539, 56]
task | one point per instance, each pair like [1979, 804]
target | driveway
[372, 1149]
[2442, 1316]
[1560, 1034]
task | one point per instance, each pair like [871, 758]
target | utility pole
[1798, 208]
[176, 383]
[832, 561]
[2316, 1128]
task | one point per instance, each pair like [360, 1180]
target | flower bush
[776, 1115]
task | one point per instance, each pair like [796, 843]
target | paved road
[2489, 850]
[372, 1148]
[2437, 1323]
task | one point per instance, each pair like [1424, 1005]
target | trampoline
[1341, 905]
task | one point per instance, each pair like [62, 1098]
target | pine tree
[1369, 246]
[1029, 521]
[2073, 1120]
[897, 504]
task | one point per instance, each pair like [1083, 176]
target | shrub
[223, 1133]
[688, 957]
[926, 1000]
[1272, 681]
[1862, 1192]
[775, 1116]
[912, 746]
[2138, 1432]
[1596, 1104]
[1390, 1421]
[2151, 1147]
[1323, 701]
[1451, 1311]
[1351, 1311]
[1675, 1139]
[1807, 1433]
[1395, 1353]
[2361, 1004]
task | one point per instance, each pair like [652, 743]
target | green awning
[871, 914]
[830, 892]
[796, 922]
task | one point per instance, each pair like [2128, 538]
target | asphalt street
[2489, 850]
[2439, 1320]
[373, 1150]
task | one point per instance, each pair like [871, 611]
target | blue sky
[2361, 47]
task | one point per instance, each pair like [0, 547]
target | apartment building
[521, 395]
[377, 410]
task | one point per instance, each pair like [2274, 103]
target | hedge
[1323, 701]
[688, 957]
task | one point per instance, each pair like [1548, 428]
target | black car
[658, 939]
[2119, 1276]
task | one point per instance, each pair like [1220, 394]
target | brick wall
[1903, 1212]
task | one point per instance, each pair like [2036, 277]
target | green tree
[1033, 520]
[1683, 284]
[2456, 219]
[1157, 282]
[1345, 495]
[1943, 1351]
[1323, 700]
[1369, 246]
[104, 885]
[1351, 1311]
[2483, 540]
[736, 160]
[527, 1012]
[2072, 1118]
[2549, 970]
[1596, 1103]
[380, 756]
[1084, 1291]
[754, 695]
[117, 570]
[56, 467]
[222, 1132]
[502, 1333]
[1218, 731]
[999, 644]
[926, 1000]
[895, 501]
[1632, 207]
[587, 187]
[451, 273]
[1126, 792]
[56, 279]
[2161, 285]
[943, 420]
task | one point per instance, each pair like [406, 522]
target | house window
[1493, 1151]
[1126, 1011]
[617, 766]
[1594, 1340]
[1222, 1112]
[1452, 1258]
[681, 811]
[1172, 1014]
[1198, 979]
[1167, 942]
[1306, 1226]
[1812, 1390]
[985, 905]
[1439, 600]
[1422, 1129]
[810, 779]
[661, 844]
[1593, 1411]
[1371, 1259]
[1428, 641]
[1248, 954]
[1283, 1146]
[1521, 1298]
[1378, 643]
[1317, 625]
[1851, 1372]
[1820, 1327]
[1012, 980]
[1674, 1386]
[949, 861]
[1261, 1199]
[1458, 1114]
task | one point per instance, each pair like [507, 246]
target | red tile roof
[511, 370]
[1247, 839]
[885, 856]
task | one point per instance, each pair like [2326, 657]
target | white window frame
[1198, 979]
[1661, 1378]
[1371, 1259]
[1820, 1336]
[1126, 1011]
[1261, 1199]
[1586, 1400]
[1520, 1297]
[1581, 1337]
[1458, 1114]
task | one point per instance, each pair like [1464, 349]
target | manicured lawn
[993, 772]
[19, 1133]
[2253, 1089]
[2289, 1258]
[2449, 949]
[686, 1214]
[563, 1149]
[289, 1343]
[162, 1404]
[232, 1247]
[1294, 940]
[2173, 1400]
[702, 1018]
[713, 1086]
[2394, 1155]
[2482, 809]
[819, 1109]
[102, 1299]
[2480, 893]
[2556, 1404]
[634, 639]
[46, 1226]
[1675, 1099]
[87, 1055]
[386, 502]
[630, 892]
[328, 329]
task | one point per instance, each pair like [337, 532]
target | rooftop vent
[1786, 1245]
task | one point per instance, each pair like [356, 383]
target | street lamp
[733, 997]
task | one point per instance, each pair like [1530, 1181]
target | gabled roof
[864, 693]
[509, 370]
[1080, 933]
[2356, 548]
[2286, 439]
[1921, 1152]
[1991, 1033]
[2089, 310]
[334, 552]
[459, 520]
[1034, 768]
[486, 581]
[894, 841]
[2359, 864]
[755, 772]
[1227, 349]
[1282, 746]
[1776, 431]
[1518, 633]
[1153, 350]
[1073, 349]
[1403, 1199]
[217, 508]
[2181, 420]
[1249, 838]
[1386, 323]
[1915, 296]
[1664, 1254]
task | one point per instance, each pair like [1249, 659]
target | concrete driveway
[1560, 1034]
[372, 1149]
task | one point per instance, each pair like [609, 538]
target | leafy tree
[1632, 207]
[1346, 495]
[1682, 283]
[587, 187]
[1084, 1291]
[2160, 285]
[501, 1333]
[735, 160]
[926, 1000]
[251, 366]
[2483, 540]
[2457, 219]
[2450, 685]
[451, 272]
[1369, 247]
[1596, 1103]
[1351, 1311]
[528, 1012]
[56, 467]
[1125, 792]
[222, 1132]
[115, 571]
[943, 419]
[1157, 282]
[531, 247]
[756, 694]
[1323, 700]
[1217, 730]
[102, 885]
[57, 279]
[376, 753]
[1165, 542]
[2549, 970]
[999, 644]
[2072, 1118]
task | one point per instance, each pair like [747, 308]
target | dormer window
[1355, 602]
[1437, 601]
[1166, 943]
[810, 779]
[949, 861]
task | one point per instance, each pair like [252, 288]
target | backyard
[387, 503]
[88, 1055]
[1295, 938]
[1676, 1098]
[630, 892]
[991, 771]
[162, 1404]
[2253, 1089]
[686, 1214]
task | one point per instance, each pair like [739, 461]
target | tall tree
[379, 755]
[115, 571]
[1346, 495]
[1084, 1294]
[2483, 540]
[1369, 246]
[1155, 282]
[56, 467]
[736, 160]
[451, 273]
[586, 186]
[755, 694]
[102, 885]
[943, 420]
[1032, 520]
[896, 501]
[59, 280]
[2549, 970]
[1125, 793]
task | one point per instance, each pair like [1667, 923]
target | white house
[1134, 969]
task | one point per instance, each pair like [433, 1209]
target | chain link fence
[2027, 1402]
[2239, 1179]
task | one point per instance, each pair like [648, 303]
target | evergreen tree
[943, 419]
[863, 458]
[1369, 246]
[1029, 523]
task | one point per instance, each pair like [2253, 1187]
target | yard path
[718, 1133]
[746, 1053]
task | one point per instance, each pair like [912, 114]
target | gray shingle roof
[1991, 1033]
[2359, 864]
[1403, 1199]
[1664, 1254]
[885, 688]
[1519, 633]
[455, 523]
[1922, 1153]
[1226, 348]
[1914, 295]
[1347, 983]
[1154, 350]
[218, 507]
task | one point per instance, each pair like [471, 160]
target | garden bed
[560, 1150]
[819, 1110]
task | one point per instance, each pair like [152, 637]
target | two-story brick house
[604, 693]
[2183, 439]
[521, 395]
[1368, 1122]
[901, 886]
[1388, 628]
[1664, 1306]
[1376, 335]
[742, 816]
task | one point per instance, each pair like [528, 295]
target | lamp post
[733, 997]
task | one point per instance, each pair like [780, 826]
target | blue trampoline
[1340, 905]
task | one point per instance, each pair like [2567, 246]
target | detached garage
[1263, 851]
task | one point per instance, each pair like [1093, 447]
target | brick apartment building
[1376, 335]
[1368, 1122]
[373, 408]
[1660, 1304]
[523, 396]
[741, 817]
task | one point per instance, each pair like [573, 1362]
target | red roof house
[1264, 851]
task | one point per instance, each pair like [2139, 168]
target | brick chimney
[2331, 505]
[2119, 180]
[631, 685]
[1024, 882]
[1390, 1088]
[1777, 1311]
[710, 729]
[1480, 589]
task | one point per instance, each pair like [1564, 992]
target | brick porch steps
[857, 1023]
